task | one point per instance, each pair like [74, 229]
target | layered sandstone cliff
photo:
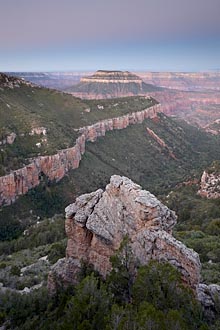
[196, 108]
[110, 84]
[120, 77]
[97, 223]
[56, 166]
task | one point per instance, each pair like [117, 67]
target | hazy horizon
[91, 71]
[141, 35]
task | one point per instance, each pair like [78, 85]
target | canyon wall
[54, 167]
[188, 81]
[197, 108]
[177, 102]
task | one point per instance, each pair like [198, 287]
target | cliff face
[199, 108]
[56, 166]
[97, 223]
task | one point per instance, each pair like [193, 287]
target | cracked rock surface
[97, 223]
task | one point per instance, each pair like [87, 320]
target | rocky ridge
[54, 167]
[209, 297]
[54, 80]
[160, 142]
[12, 82]
[97, 223]
[9, 139]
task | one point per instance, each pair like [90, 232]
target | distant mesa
[111, 84]
[113, 77]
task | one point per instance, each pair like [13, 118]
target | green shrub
[57, 251]
[15, 270]
[213, 228]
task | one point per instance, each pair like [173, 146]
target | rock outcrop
[110, 84]
[56, 166]
[9, 139]
[12, 82]
[210, 185]
[209, 297]
[97, 223]
[160, 142]
[214, 127]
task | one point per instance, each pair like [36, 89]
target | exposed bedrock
[97, 223]
[54, 167]
[210, 185]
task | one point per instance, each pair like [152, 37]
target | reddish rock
[200, 108]
[56, 166]
[160, 142]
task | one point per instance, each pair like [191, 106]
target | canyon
[54, 167]
[197, 108]
[198, 103]
[184, 81]
[193, 96]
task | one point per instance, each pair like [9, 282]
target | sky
[139, 35]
